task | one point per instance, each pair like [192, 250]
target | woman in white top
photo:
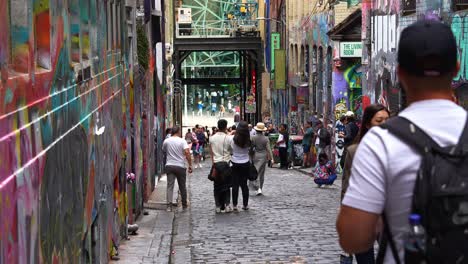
[240, 164]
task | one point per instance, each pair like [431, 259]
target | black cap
[427, 48]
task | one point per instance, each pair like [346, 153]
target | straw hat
[260, 127]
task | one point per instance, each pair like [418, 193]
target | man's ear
[402, 76]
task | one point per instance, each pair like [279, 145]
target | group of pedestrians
[233, 155]
[404, 182]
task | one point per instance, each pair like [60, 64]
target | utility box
[184, 21]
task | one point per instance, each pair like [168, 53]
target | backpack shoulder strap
[411, 134]
[462, 146]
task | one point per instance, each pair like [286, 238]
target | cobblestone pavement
[293, 222]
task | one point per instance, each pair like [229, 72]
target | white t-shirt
[239, 155]
[221, 146]
[317, 139]
[384, 168]
[175, 147]
[280, 138]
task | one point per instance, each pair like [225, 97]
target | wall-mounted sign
[350, 49]
[280, 71]
[275, 44]
[250, 104]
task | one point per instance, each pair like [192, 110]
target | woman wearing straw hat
[261, 154]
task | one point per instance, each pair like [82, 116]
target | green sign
[275, 44]
[280, 72]
[350, 49]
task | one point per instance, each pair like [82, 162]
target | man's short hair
[175, 130]
[222, 124]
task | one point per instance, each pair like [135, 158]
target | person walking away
[261, 155]
[252, 131]
[200, 108]
[195, 147]
[350, 133]
[282, 144]
[374, 115]
[307, 142]
[221, 111]
[384, 177]
[324, 136]
[201, 139]
[176, 149]
[237, 118]
[240, 164]
[220, 151]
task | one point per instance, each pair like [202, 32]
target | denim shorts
[306, 148]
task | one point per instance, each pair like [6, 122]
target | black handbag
[253, 173]
[221, 170]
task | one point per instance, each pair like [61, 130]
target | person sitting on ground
[324, 174]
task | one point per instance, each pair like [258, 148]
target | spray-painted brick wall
[387, 20]
[68, 108]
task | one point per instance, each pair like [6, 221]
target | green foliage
[142, 47]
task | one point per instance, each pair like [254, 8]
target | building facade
[76, 129]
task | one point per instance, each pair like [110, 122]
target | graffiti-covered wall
[382, 23]
[310, 61]
[69, 112]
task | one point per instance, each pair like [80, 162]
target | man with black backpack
[413, 171]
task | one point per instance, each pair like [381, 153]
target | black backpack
[440, 196]
[324, 136]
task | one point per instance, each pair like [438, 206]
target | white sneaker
[259, 191]
[228, 209]
[218, 210]
[201, 166]
[235, 209]
[196, 166]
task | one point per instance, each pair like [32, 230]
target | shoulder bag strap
[411, 134]
[388, 238]
[462, 146]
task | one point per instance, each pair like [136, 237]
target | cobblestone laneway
[294, 221]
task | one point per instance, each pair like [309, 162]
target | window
[460, 5]
[119, 25]
[307, 61]
[84, 15]
[109, 25]
[409, 7]
[75, 30]
[42, 35]
[19, 35]
[113, 25]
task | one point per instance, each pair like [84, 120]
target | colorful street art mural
[311, 32]
[73, 125]
[387, 20]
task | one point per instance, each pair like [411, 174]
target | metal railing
[215, 28]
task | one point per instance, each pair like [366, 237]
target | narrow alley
[293, 222]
